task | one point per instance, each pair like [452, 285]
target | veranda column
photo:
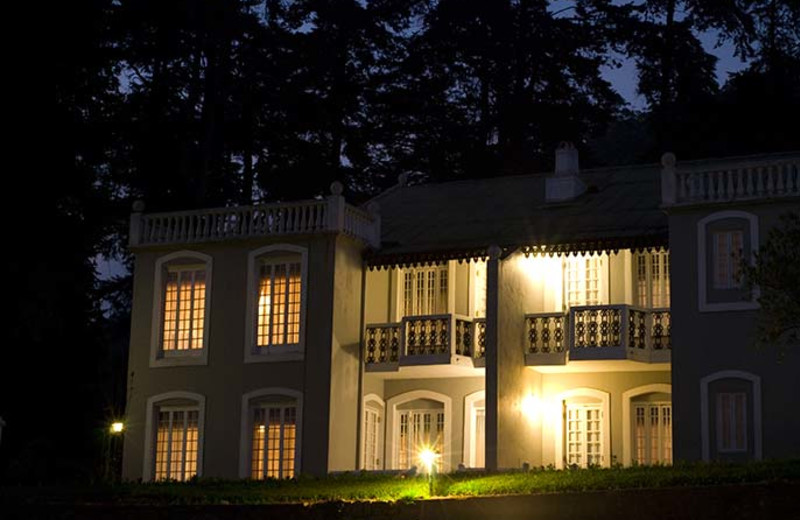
[492, 401]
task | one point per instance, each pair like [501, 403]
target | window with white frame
[652, 433]
[727, 259]
[418, 430]
[651, 276]
[273, 440]
[176, 443]
[425, 290]
[184, 309]
[583, 431]
[731, 422]
[584, 280]
[276, 303]
[371, 438]
[279, 301]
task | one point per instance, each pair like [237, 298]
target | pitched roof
[461, 219]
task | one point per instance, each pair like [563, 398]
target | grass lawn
[391, 488]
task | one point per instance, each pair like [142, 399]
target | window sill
[274, 354]
[180, 358]
[729, 306]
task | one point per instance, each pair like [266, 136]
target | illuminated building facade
[574, 318]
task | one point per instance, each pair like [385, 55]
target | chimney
[565, 184]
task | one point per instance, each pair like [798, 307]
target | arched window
[271, 433]
[174, 436]
[647, 425]
[181, 302]
[276, 303]
[724, 240]
[416, 420]
[730, 415]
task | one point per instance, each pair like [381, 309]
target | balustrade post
[135, 226]
[374, 238]
[625, 339]
[668, 161]
[335, 207]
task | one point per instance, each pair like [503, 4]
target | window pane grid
[184, 310]
[727, 258]
[651, 279]
[279, 303]
[584, 435]
[583, 280]
[731, 422]
[425, 291]
[274, 442]
[652, 435]
[176, 444]
[418, 429]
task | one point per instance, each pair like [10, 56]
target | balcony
[445, 339]
[599, 332]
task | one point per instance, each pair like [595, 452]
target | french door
[652, 433]
[419, 429]
[372, 421]
[583, 433]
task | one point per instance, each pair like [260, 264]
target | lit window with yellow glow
[425, 291]
[584, 280]
[176, 444]
[420, 430]
[274, 442]
[184, 309]
[651, 275]
[279, 302]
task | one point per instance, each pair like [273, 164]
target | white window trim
[702, 276]
[468, 454]
[373, 399]
[199, 401]
[295, 352]
[605, 399]
[245, 438]
[627, 400]
[393, 418]
[187, 357]
[705, 420]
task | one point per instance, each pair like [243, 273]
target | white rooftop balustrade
[331, 214]
[729, 180]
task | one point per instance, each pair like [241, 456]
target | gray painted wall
[707, 342]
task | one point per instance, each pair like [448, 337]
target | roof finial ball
[336, 188]
[402, 179]
[138, 206]
[668, 160]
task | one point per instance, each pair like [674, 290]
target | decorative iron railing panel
[480, 340]
[547, 333]
[637, 328]
[597, 326]
[427, 335]
[465, 335]
[599, 332]
[661, 331]
[383, 343]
